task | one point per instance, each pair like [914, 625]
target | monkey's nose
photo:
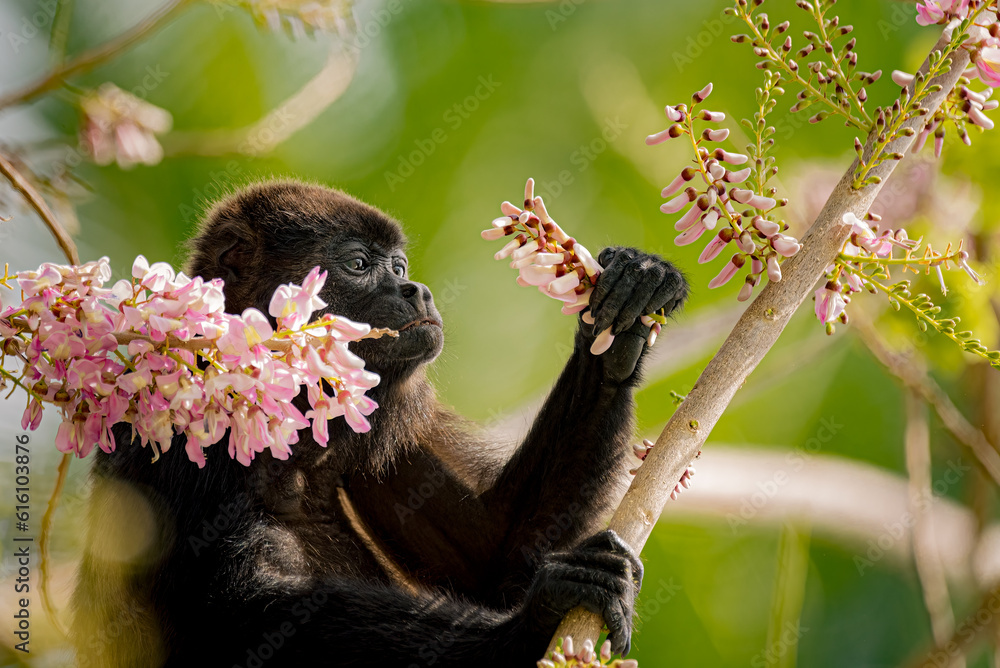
[409, 290]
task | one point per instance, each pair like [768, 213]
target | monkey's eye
[357, 264]
[399, 270]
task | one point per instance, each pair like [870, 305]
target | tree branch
[37, 202]
[978, 622]
[918, 381]
[749, 342]
[286, 119]
[926, 558]
[95, 56]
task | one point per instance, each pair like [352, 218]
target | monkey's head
[275, 232]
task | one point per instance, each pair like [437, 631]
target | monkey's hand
[633, 284]
[602, 574]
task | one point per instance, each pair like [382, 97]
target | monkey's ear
[223, 249]
[234, 252]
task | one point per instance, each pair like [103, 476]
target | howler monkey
[402, 546]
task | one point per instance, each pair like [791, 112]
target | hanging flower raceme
[567, 656]
[712, 189]
[120, 127]
[187, 366]
[554, 262]
[301, 17]
[865, 263]
[865, 246]
[544, 255]
[962, 106]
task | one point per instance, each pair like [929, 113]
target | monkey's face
[275, 232]
[370, 283]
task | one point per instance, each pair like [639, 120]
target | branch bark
[749, 342]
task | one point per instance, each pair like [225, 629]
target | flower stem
[796, 76]
[905, 114]
[845, 82]
[940, 326]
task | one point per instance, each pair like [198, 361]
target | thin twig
[286, 119]
[60, 32]
[930, 571]
[749, 342]
[201, 343]
[917, 380]
[43, 544]
[37, 202]
[966, 634]
[95, 56]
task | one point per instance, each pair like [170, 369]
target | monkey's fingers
[669, 294]
[609, 541]
[614, 261]
[650, 277]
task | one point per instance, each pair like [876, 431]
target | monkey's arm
[557, 483]
[340, 621]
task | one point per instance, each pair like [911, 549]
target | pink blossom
[156, 277]
[734, 265]
[750, 198]
[32, 415]
[785, 245]
[343, 329]
[34, 282]
[715, 246]
[356, 409]
[118, 126]
[935, 11]
[830, 303]
[245, 333]
[987, 61]
[323, 410]
[294, 305]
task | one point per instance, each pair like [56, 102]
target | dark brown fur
[370, 550]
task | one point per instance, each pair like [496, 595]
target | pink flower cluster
[301, 17]
[641, 451]
[864, 244]
[551, 260]
[984, 36]
[565, 657]
[938, 11]
[963, 104]
[120, 127]
[190, 368]
[758, 239]
[544, 255]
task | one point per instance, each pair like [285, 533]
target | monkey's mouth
[418, 323]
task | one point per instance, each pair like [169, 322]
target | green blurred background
[452, 106]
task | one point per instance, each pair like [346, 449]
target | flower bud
[680, 201]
